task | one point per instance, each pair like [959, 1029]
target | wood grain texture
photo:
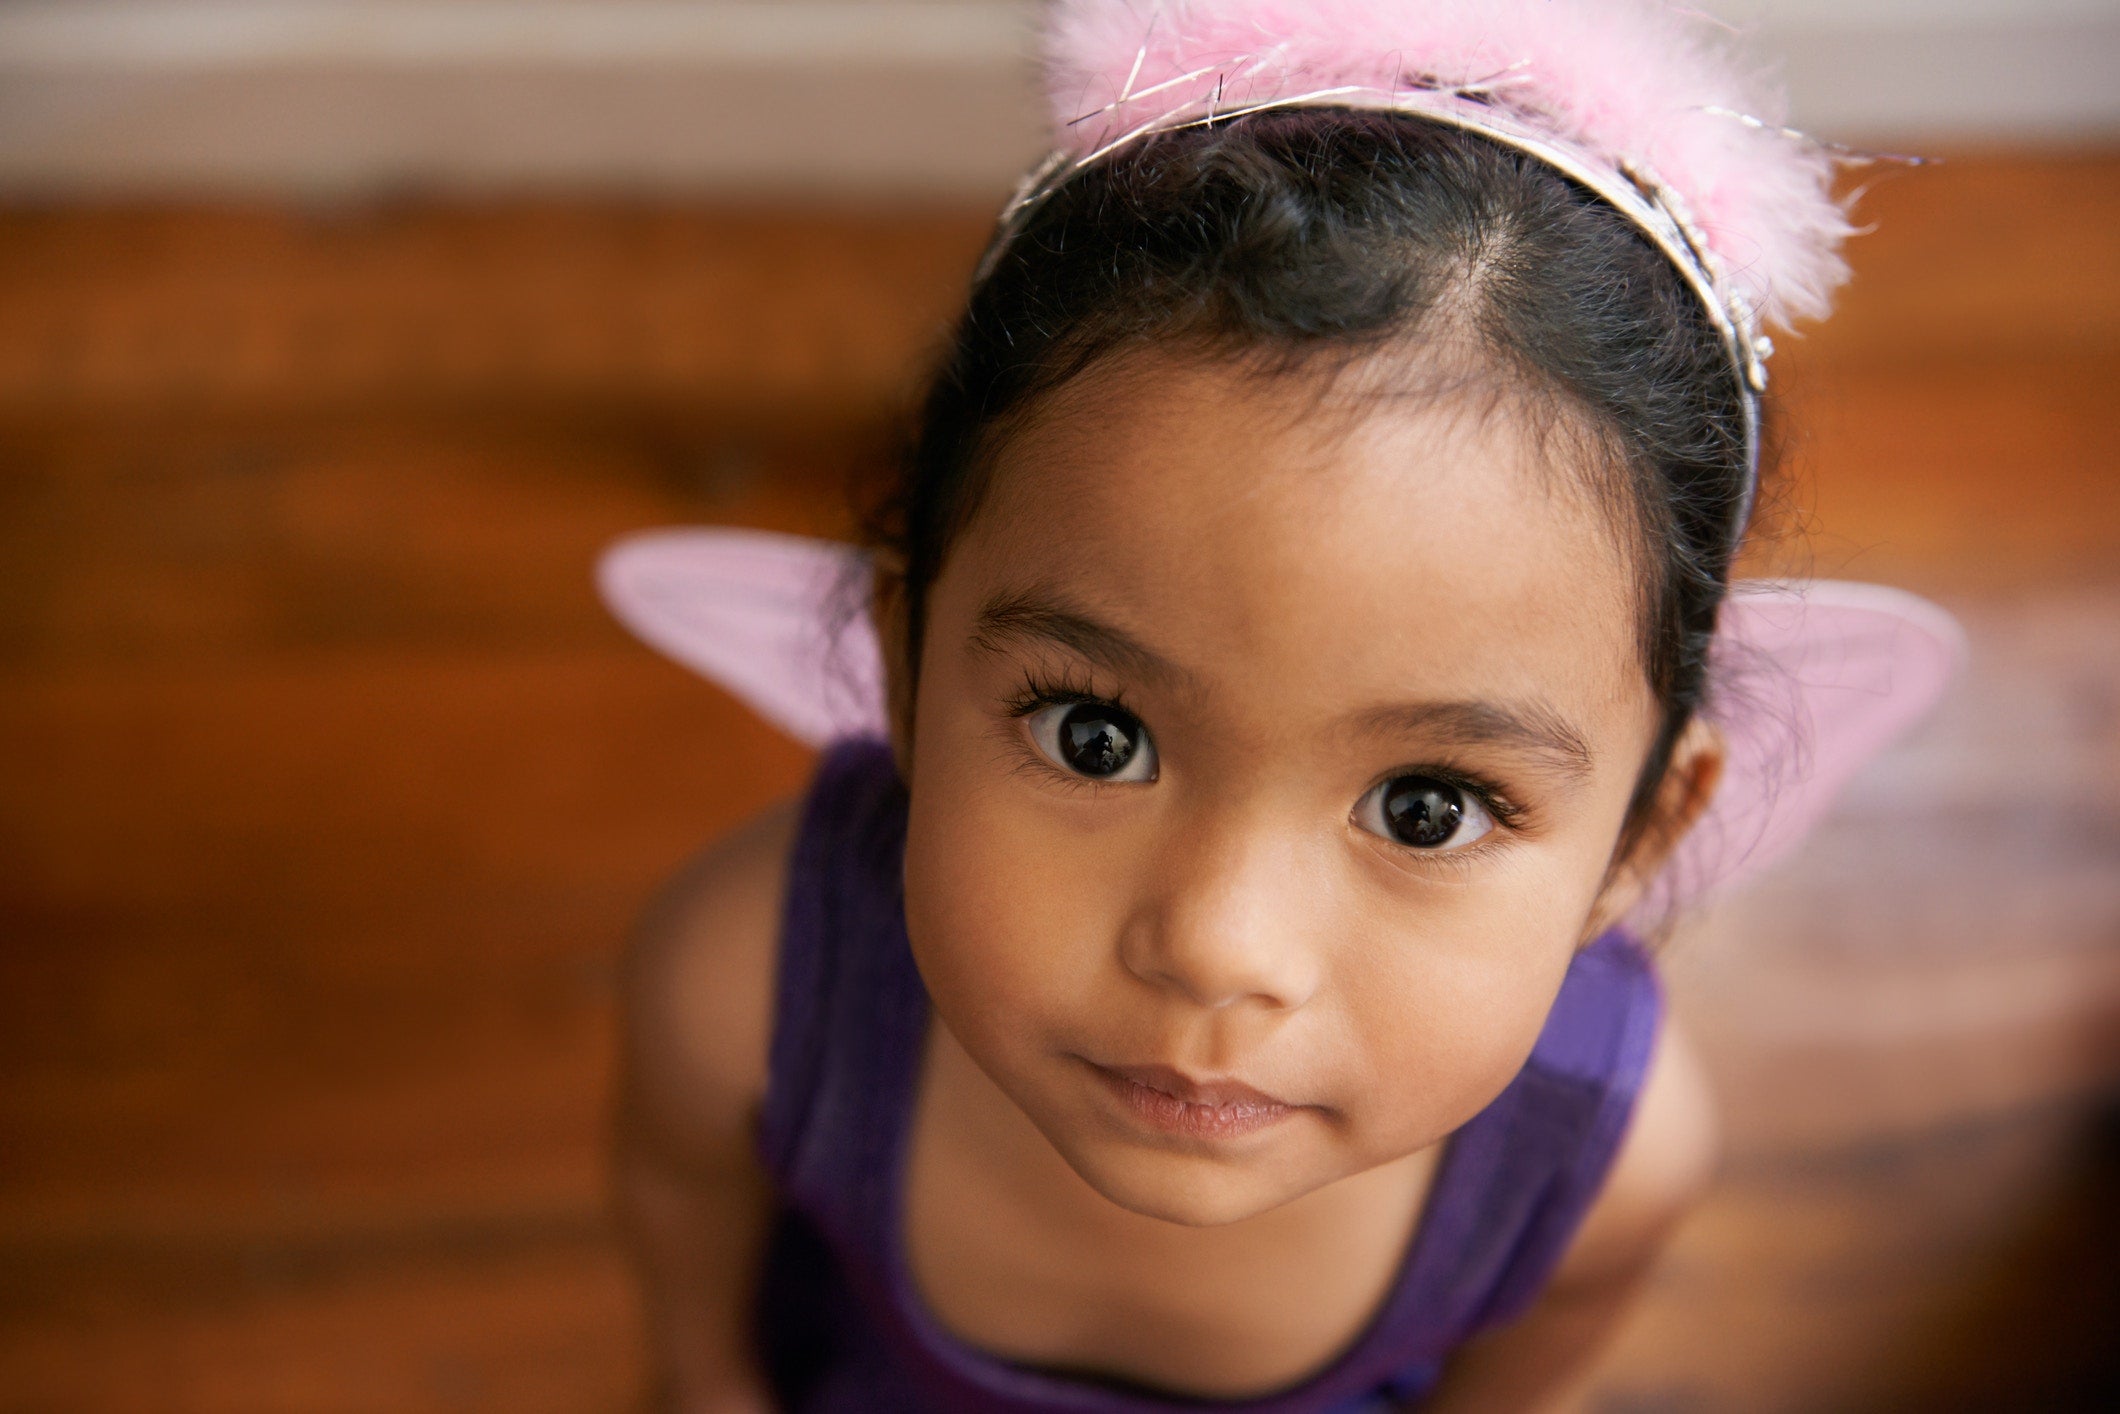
[330, 791]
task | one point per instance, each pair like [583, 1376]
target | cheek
[1006, 946]
[1435, 1019]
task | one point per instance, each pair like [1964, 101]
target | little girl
[1206, 987]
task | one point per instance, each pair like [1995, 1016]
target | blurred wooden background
[329, 791]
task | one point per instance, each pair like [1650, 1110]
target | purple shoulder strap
[1543, 1149]
[850, 1009]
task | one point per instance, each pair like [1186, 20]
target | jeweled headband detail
[1635, 100]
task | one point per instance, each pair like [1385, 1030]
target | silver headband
[1656, 209]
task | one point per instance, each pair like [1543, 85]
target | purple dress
[841, 1328]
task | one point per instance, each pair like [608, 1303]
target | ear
[1682, 797]
[887, 607]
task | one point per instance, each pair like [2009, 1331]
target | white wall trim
[929, 96]
[243, 34]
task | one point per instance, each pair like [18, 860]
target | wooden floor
[329, 791]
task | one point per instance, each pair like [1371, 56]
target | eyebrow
[1037, 615]
[1042, 616]
[1530, 727]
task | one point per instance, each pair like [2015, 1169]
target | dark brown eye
[1094, 739]
[1423, 812]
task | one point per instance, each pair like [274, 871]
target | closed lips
[1175, 1103]
[1216, 1094]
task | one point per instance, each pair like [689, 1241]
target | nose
[1229, 918]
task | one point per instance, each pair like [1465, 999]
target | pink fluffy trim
[1631, 81]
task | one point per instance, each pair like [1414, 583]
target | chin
[1191, 1190]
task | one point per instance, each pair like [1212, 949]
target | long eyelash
[1507, 815]
[1043, 687]
[1491, 797]
[1040, 689]
[1504, 810]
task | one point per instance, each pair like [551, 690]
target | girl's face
[1268, 763]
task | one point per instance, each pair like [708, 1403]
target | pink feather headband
[1624, 96]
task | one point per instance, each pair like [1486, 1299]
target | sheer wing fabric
[1811, 680]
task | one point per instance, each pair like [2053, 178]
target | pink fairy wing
[1811, 681]
[778, 620]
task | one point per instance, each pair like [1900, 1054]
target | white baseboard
[800, 97]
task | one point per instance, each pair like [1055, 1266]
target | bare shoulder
[697, 991]
[697, 994]
[1664, 1165]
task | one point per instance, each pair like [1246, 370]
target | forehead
[1336, 547]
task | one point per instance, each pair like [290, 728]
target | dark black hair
[1292, 235]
